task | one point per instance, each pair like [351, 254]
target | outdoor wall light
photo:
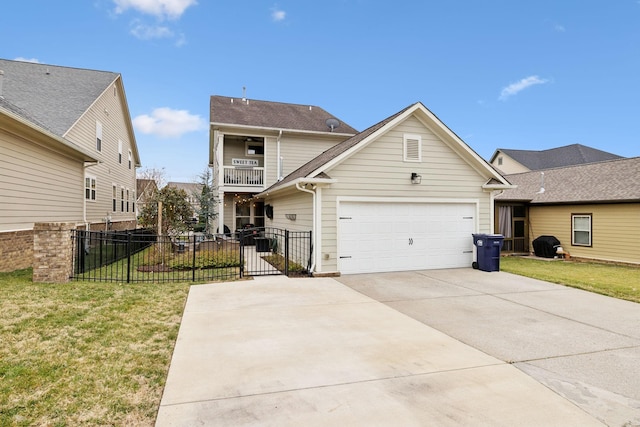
[415, 178]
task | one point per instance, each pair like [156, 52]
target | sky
[498, 73]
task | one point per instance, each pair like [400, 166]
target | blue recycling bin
[488, 247]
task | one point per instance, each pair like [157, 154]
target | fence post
[286, 252]
[128, 257]
[241, 236]
[52, 252]
[193, 264]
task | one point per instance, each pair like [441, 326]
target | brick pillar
[52, 252]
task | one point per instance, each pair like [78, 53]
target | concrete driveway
[445, 348]
[584, 346]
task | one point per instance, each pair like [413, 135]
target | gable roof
[316, 168]
[52, 96]
[610, 181]
[273, 115]
[189, 187]
[574, 154]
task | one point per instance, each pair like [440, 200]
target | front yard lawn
[614, 280]
[85, 353]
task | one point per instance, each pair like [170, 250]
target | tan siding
[297, 151]
[378, 170]
[109, 110]
[509, 165]
[615, 229]
[37, 185]
[299, 204]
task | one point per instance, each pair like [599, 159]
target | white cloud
[169, 123]
[171, 9]
[34, 60]
[559, 28]
[278, 15]
[147, 32]
[519, 86]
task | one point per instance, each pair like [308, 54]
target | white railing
[253, 177]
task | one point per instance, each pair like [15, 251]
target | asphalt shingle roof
[272, 115]
[609, 181]
[51, 96]
[568, 155]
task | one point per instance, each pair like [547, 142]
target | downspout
[313, 227]
[278, 159]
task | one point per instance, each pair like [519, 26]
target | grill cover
[545, 246]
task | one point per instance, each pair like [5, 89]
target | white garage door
[377, 237]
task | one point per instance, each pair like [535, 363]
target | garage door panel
[379, 237]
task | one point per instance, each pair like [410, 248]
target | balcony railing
[253, 177]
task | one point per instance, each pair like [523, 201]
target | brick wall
[52, 252]
[16, 250]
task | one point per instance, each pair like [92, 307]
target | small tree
[176, 211]
[206, 201]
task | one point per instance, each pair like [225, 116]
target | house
[193, 190]
[593, 209]
[405, 194]
[511, 161]
[67, 153]
[254, 144]
[145, 191]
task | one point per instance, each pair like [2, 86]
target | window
[581, 229]
[412, 148]
[255, 148]
[98, 136]
[119, 151]
[90, 187]
[121, 199]
[114, 198]
[129, 159]
[500, 161]
[127, 200]
[133, 200]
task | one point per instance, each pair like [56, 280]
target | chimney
[1, 83]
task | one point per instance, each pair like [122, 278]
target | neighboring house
[253, 144]
[193, 190]
[510, 161]
[145, 190]
[405, 194]
[67, 153]
[593, 209]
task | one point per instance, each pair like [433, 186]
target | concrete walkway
[290, 352]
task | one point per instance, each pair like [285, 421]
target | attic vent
[412, 148]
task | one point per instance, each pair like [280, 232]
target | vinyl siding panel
[615, 229]
[378, 170]
[300, 204]
[110, 111]
[38, 185]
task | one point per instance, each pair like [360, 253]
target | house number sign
[247, 163]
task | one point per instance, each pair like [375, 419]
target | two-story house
[254, 144]
[67, 153]
[405, 194]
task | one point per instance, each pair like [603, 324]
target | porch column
[220, 217]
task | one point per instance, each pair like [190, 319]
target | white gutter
[313, 222]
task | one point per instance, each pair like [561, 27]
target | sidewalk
[279, 351]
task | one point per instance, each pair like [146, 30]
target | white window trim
[573, 229]
[406, 139]
[114, 197]
[99, 139]
[130, 159]
[121, 199]
[120, 151]
[93, 188]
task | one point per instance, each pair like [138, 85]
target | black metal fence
[142, 256]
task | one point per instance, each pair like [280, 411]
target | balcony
[247, 177]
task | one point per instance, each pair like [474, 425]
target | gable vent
[412, 148]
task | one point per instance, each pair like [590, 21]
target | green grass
[613, 280]
[85, 353]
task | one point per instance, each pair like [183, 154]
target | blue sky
[499, 73]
